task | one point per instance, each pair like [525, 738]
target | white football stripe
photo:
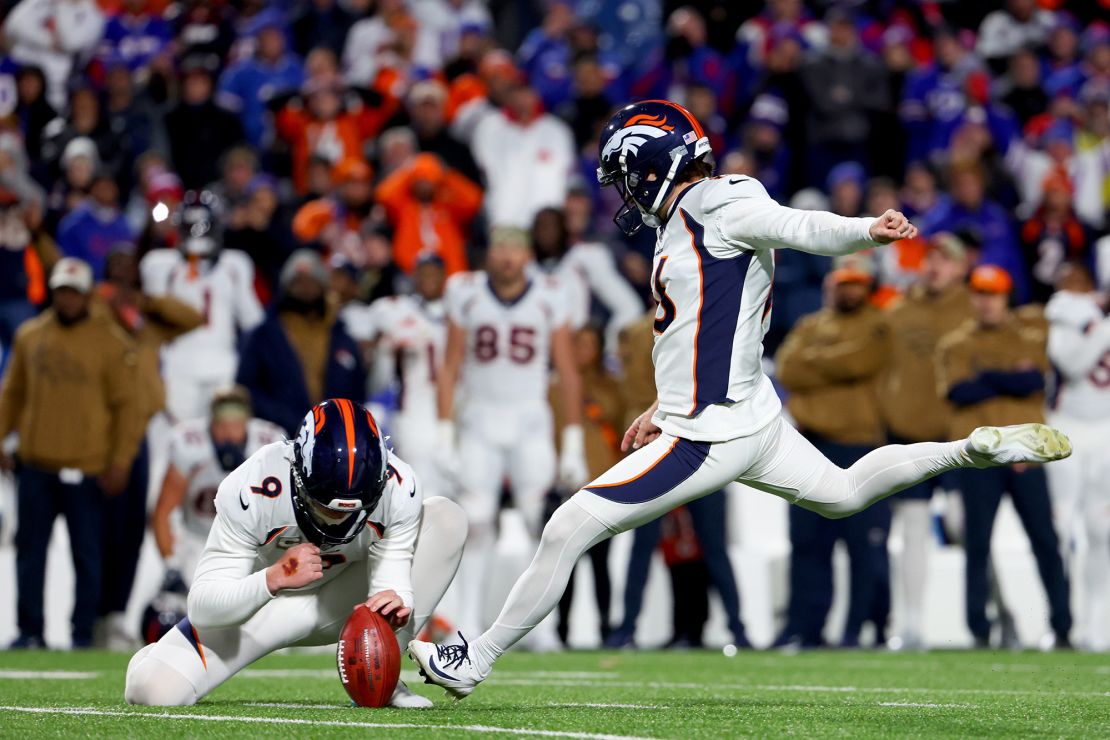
[923, 705]
[480, 729]
[51, 675]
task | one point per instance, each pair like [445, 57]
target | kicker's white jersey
[255, 525]
[712, 277]
[587, 271]
[1079, 349]
[411, 334]
[222, 291]
[508, 344]
[194, 456]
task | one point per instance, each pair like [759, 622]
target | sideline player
[202, 453]
[301, 529]
[1079, 348]
[407, 333]
[217, 282]
[505, 331]
[717, 418]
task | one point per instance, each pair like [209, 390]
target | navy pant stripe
[722, 288]
[675, 466]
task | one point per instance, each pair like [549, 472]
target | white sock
[1096, 584]
[476, 561]
[916, 522]
[569, 533]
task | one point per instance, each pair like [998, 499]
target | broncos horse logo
[636, 132]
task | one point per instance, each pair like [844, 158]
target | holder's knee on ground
[446, 522]
[152, 683]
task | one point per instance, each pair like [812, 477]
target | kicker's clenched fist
[892, 226]
[299, 566]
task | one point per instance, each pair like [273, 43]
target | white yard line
[594, 705]
[51, 675]
[489, 729]
[923, 705]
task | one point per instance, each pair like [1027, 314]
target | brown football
[368, 658]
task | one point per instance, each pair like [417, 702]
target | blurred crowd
[218, 191]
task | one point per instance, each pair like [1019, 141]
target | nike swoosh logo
[736, 181]
[242, 502]
[438, 672]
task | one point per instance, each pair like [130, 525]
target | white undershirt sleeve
[226, 590]
[391, 559]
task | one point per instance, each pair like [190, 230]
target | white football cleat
[404, 698]
[447, 666]
[1022, 443]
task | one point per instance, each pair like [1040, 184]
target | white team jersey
[194, 456]
[411, 333]
[508, 345]
[255, 519]
[712, 277]
[588, 271]
[1079, 349]
[222, 291]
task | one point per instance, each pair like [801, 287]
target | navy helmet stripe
[677, 464]
[722, 289]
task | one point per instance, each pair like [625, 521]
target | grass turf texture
[662, 695]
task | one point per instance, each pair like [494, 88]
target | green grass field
[586, 695]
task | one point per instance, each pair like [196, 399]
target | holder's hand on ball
[390, 606]
[299, 566]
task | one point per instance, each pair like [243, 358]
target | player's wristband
[573, 440]
[445, 432]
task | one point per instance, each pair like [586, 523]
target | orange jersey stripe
[274, 534]
[701, 305]
[346, 410]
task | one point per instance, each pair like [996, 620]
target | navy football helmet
[198, 220]
[340, 467]
[642, 151]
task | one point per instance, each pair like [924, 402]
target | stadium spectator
[969, 208]
[247, 85]
[1005, 31]
[430, 207]
[1053, 236]
[992, 372]
[301, 353]
[938, 303]
[26, 256]
[831, 363]
[259, 227]
[149, 322]
[590, 103]
[136, 35]
[845, 85]
[32, 110]
[93, 228]
[133, 119]
[335, 222]
[85, 119]
[69, 391]
[427, 109]
[200, 131]
[319, 23]
[54, 35]
[602, 417]
[327, 122]
[1025, 94]
[526, 155]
